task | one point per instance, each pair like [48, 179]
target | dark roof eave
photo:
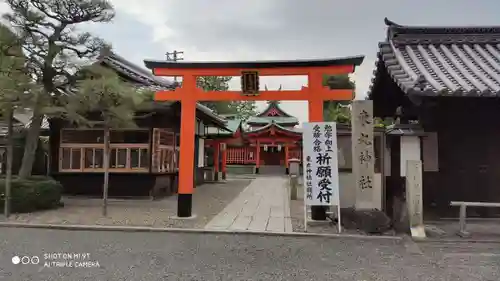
[355, 60]
[266, 123]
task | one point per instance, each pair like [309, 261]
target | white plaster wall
[410, 150]
[348, 191]
[201, 153]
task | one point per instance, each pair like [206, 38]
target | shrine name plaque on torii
[188, 94]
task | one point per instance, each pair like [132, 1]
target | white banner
[320, 164]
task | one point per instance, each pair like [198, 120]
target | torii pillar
[315, 93]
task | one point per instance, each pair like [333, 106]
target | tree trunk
[106, 172]
[31, 144]
[8, 173]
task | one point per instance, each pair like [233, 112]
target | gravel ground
[208, 201]
[482, 229]
[297, 216]
[177, 256]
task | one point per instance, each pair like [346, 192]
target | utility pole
[172, 56]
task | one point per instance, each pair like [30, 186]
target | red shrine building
[263, 144]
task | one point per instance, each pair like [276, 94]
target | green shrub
[32, 194]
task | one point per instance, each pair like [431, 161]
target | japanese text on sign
[321, 167]
[363, 150]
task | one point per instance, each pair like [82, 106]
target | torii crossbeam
[315, 93]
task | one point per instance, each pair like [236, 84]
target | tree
[243, 109]
[338, 111]
[54, 52]
[13, 84]
[101, 99]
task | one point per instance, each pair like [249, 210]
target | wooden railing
[124, 157]
[78, 157]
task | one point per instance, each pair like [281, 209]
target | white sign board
[320, 164]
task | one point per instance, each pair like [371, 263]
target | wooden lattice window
[83, 151]
[164, 156]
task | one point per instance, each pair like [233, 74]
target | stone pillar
[363, 157]
[414, 198]
[294, 169]
[410, 150]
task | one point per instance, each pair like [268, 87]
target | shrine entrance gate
[189, 94]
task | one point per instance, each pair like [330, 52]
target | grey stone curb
[189, 230]
[456, 241]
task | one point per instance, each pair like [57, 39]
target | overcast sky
[277, 29]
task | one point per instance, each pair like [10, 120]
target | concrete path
[261, 206]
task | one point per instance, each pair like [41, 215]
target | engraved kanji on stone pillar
[363, 153]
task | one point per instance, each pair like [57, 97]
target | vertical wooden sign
[363, 157]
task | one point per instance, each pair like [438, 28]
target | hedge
[32, 194]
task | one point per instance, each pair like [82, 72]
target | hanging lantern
[265, 148]
[279, 147]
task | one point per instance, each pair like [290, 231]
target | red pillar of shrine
[257, 157]
[315, 107]
[286, 159]
[224, 160]
[216, 160]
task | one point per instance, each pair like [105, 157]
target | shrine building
[143, 160]
[263, 144]
[443, 85]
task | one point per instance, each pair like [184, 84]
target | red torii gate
[315, 93]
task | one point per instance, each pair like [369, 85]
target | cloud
[277, 29]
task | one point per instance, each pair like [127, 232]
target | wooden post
[216, 160]
[363, 157]
[463, 215]
[257, 157]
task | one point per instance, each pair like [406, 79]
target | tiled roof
[276, 125]
[275, 119]
[278, 115]
[441, 60]
[137, 73]
[146, 80]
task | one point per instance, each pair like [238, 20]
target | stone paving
[208, 201]
[149, 256]
[262, 206]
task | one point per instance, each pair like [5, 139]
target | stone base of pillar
[184, 205]
[287, 171]
[318, 213]
[257, 170]
[216, 176]
[224, 175]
